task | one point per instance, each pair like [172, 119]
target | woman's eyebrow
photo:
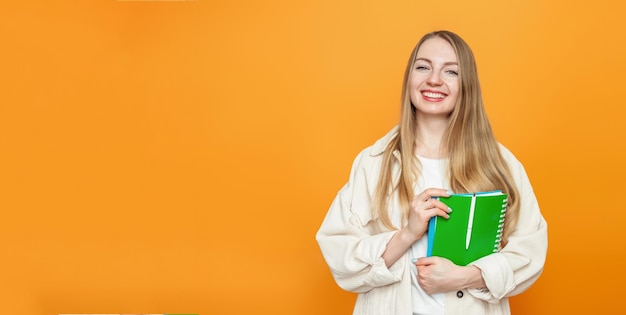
[449, 63]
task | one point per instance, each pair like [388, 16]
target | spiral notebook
[474, 229]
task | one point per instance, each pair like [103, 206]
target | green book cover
[474, 229]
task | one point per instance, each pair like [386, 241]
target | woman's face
[434, 81]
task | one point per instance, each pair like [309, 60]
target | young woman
[374, 237]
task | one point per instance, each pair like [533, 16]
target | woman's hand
[424, 207]
[437, 274]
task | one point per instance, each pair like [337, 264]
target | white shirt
[433, 175]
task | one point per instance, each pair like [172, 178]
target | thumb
[424, 261]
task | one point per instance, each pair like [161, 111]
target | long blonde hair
[475, 162]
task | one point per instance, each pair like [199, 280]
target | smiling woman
[374, 235]
[180, 155]
[434, 83]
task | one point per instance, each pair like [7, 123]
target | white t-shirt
[433, 175]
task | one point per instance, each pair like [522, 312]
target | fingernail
[449, 209]
[413, 260]
[449, 192]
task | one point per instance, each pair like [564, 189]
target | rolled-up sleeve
[349, 240]
[520, 263]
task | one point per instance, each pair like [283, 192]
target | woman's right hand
[424, 207]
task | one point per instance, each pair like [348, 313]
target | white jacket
[353, 240]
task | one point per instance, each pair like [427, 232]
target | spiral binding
[496, 246]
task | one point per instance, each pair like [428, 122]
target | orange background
[179, 156]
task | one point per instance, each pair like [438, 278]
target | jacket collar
[381, 145]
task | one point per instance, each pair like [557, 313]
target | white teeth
[433, 95]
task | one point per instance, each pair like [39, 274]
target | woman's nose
[434, 78]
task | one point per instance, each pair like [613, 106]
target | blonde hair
[475, 161]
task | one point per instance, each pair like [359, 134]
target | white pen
[470, 222]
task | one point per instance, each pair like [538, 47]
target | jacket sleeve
[348, 238]
[518, 265]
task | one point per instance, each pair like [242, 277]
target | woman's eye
[452, 73]
[421, 68]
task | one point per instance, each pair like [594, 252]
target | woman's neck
[428, 142]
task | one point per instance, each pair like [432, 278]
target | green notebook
[474, 229]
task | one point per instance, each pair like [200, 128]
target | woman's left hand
[437, 274]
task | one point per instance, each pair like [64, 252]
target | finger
[436, 211]
[443, 214]
[432, 204]
[440, 205]
[432, 192]
[425, 261]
